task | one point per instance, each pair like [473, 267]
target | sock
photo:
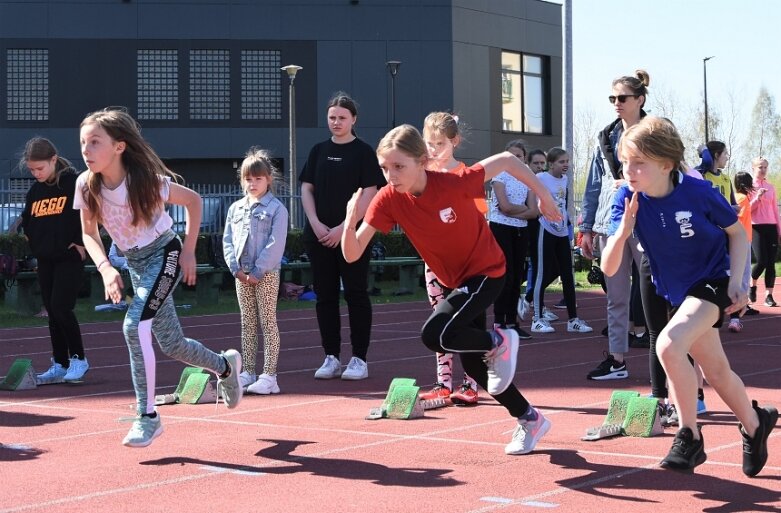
[700, 394]
[530, 415]
[227, 369]
[469, 381]
[152, 415]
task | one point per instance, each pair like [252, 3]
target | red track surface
[310, 449]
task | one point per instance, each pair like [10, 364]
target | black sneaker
[609, 369]
[686, 452]
[522, 334]
[561, 304]
[604, 331]
[755, 449]
[752, 294]
[641, 342]
[750, 311]
[769, 301]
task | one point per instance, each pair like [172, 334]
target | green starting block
[628, 414]
[402, 402]
[195, 387]
[21, 376]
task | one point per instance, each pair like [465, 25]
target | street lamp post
[705, 92]
[393, 68]
[291, 70]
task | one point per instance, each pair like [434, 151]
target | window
[157, 84]
[261, 91]
[210, 84]
[524, 83]
[27, 84]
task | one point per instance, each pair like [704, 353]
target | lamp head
[393, 67]
[291, 70]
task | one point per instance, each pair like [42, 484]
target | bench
[410, 269]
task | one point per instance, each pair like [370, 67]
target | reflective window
[523, 87]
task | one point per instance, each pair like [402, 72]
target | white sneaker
[330, 369]
[246, 379]
[54, 374]
[76, 370]
[548, 315]
[527, 434]
[265, 385]
[356, 369]
[143, 432]
[542, 326]
[501, 361]
[524, 307]
[578, 326]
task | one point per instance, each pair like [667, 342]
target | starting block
[628, 414]
[21, 376]
[194, 387]
[402, 402]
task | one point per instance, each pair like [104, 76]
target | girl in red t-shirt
[437, 212]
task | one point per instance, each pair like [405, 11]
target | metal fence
[216, 200]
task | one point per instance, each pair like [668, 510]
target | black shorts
[712, 291]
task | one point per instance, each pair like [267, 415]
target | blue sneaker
[701, 408]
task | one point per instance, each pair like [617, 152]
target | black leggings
[764, 244]
[457, 325]
[512, 240]
[657, 314]
[60, 283]
[554, 258]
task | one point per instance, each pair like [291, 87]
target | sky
[669, 39]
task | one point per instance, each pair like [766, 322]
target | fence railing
[216, 200]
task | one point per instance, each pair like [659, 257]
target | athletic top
[558, 189]
[448, 232]
[682, 234]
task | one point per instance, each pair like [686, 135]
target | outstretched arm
[508, 162]
[354, 242]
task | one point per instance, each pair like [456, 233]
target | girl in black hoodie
[53, 229]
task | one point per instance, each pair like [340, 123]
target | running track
[310, 449]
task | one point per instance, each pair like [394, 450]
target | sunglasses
[621, 98]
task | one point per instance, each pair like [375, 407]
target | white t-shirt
[558, 189]
[117, 216]
[516, 192]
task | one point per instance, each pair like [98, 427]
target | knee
[130, 328]
[666, 350]
[717, 373]
[430, 334]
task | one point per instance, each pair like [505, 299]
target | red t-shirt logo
[447, 215]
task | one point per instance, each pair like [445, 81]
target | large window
[27, 84]
[524, 103]
[210, 85]
[261, 90]
[158, 84]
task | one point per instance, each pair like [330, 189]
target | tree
[764, 137]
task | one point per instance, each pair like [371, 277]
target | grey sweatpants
[619, 296]
[155, 272]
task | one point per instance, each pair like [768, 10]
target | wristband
[101, 265]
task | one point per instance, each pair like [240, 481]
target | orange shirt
[744, 214]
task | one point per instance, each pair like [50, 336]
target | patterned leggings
[436, 294]
[155, 272]
[259, 301]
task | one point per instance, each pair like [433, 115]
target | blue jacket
[255, 235]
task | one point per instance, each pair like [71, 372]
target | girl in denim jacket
[253, 244]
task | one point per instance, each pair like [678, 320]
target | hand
[738, 296]
[587, 245]
[548, 207]
[187, 263]
[320, 230]
[630, 216]
[761, 192]
[333, 238]
[80, 249]
[113, 285]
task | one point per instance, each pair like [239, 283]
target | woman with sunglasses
[627, 96]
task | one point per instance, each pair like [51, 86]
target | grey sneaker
[77, 369]
[501, 362]
[356, 369]
[230, 387]
[54, 374]
[143, 431]
[330, 369]
[527, 434]
[246, 379]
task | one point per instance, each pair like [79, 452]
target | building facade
[203, 76]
